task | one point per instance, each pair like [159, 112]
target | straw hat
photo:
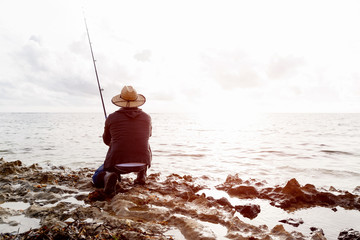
[128, 98]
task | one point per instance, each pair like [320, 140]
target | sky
[183, 56]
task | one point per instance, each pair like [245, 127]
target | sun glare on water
[230, 119]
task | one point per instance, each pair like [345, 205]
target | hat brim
[118, 101]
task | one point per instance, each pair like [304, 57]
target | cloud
[232, 70]
[143, 56]
[245, 51]
[283, 67]
[33, 55]
[356, 84]
[162, 96]
[37, 39]
[243, 77]
[80, 47]
[7, 90]
[54, 70]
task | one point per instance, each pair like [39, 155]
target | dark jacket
[127, 132]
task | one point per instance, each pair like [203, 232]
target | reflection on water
[331, 222]
[275, 147]
[18, 224]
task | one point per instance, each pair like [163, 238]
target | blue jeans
[98, 177]
[97, 181]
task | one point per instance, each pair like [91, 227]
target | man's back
[127, 132]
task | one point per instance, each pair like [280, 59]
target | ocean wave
[6, 151]
[27, 149]
[278, 153]
[336, 173]
[272, 152]
[48, 148]
[186, 155]
[336, 152]
[321, 171]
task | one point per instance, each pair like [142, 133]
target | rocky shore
[63, 204]
[292, 196]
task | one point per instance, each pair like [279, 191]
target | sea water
[320, 149]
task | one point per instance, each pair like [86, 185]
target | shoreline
[64, 203]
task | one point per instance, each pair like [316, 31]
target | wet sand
[59, 203]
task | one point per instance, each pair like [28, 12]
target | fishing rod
[96, 73]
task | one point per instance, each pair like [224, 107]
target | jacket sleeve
[106, 135]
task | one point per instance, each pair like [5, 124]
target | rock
[292, 221]
[278, 230]
[35, 166]
[224, 202]
[56, 190]
[13, 223]
[46, 196]
[357, 190]
[317, 234]
[188, 178]
[309, 188]
[249, 211]
[233, 179]
[8, 168]
[36, 211]
[243, 192]
[47, 178]
[315, 229]
[81, 197]
[145, 212]
[349, 234]
[193, 229]
[86, 186]
[293, 188]
[97, 195]
[211, 199]
[3, 197]
[290, 197]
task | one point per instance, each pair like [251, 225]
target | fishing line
[96, 73]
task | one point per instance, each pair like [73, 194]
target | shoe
[141, 178]
[110, 183]
[99, 181]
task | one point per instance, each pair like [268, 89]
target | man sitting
[127, 132]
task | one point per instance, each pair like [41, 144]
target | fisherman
[127, 132]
